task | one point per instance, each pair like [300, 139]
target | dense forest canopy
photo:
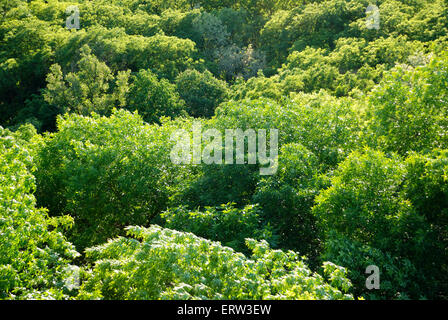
[93, 207]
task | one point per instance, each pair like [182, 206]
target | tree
[366, 208]
[286, 199]
[426, 187]
[35, 255]
[212, 32]
[154, 98]
[225, 223]
[93, 88]
[201, 92]
[407, 111]
[106, 172]
[158, 263]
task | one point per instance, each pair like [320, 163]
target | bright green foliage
[113, 15]
[409, 110]
[362, 163]
[257, 87]
[34, 255]
[324, 125]
[105, 172]
[353, 65]
[322, 24]
[168, 264]
[201, 91]
[361, 202]
[230, 38]
[93, 88]
[226, 224]
[327, 134]
[166, 56]
[153, 98]
[316, 24]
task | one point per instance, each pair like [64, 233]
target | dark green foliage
[226, 224]
[201, 92]
[286, 199]
[26, 54]
[373, 204]
[398, 276]
[220, 184]
[427, 187]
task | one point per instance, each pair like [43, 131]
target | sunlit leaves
[168, 264]
[33, 251]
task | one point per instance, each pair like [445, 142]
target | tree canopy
[92, 206]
